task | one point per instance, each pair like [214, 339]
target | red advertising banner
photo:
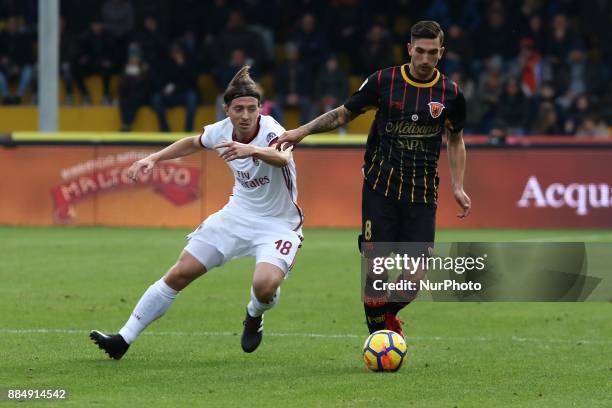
[533, 188]
[177, 184]
[509, 188]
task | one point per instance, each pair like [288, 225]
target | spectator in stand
[134, 87]
[151, 41]
[16, 60]
[238, 35]
[547, 121]
[489, 90]
[311, 43]
[458, 51]
[439, 10]
[299, 8]
[188, 16]
[263, 18]
[67, 54]
[535, 31]
[519, 14]
[498, 132]
[560, 40]
[496, 37]
[470, 16]
[605, 104]
[177, 85]
[118, 18]
[293, 83]
[347, 19]
[593, 126]
[216, 16]
[95, 50]
[580, 108]
[189, 43]
[529, 66]
[578, 76]
[331, 87]
[514, 107]
[79, 13]
[376, 50]
[597, 33]
[546, 97]
[215, 19]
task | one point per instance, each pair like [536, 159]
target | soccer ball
[384, 350]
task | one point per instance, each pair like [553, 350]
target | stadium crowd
[525, 66]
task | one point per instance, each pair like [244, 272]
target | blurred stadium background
[537, 76]
[527, 67]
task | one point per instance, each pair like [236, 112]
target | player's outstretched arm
[180, 148]
[328, 121]
[456, 162]
[235, 150]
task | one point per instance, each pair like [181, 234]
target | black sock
[375, 302]
[375, 310]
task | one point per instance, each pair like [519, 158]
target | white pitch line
[322, 335]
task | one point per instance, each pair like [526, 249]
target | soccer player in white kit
[261, 219]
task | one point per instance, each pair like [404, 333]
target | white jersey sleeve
[213, 134]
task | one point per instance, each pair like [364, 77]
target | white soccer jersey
[259, 188]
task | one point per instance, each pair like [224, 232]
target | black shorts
[385, 219]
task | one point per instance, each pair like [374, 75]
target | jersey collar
[253, 136]
[415, 82]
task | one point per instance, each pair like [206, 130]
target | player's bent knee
[265, 290]
[183, 272]
[266, 280]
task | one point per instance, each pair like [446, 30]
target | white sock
[151, 306]
[257, 308]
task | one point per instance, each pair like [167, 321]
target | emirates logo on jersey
[435, 109]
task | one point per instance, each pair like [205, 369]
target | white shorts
[238, 234]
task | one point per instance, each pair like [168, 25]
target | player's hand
[235, 150]
[282, 147]
[143, 165]
[464, 202]
[286, 147]
[290, 138]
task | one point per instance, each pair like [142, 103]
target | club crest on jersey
[271, 136]
[435, 109]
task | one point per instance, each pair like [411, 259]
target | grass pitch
[58, 283]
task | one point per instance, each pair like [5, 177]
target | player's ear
[226, 109]
[441, 52]
[409, 48]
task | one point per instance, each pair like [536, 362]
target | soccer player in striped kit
[261, 219]
[415, 105]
